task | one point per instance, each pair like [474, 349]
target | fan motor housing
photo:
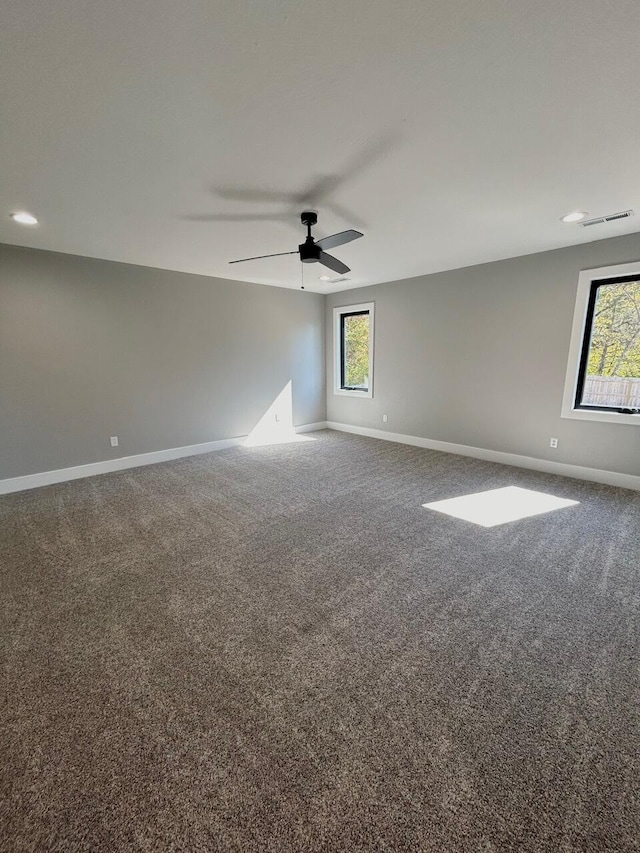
[309, 252]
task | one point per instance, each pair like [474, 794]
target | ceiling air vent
[611, 217]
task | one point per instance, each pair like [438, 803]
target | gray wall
[478, 356]
[90, 349]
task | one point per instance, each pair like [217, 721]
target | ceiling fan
[313, 251]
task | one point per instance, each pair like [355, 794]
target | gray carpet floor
[279, 649]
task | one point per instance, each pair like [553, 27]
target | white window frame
[585, 280]
[337, 367]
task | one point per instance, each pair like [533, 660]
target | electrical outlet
[553, 442]
[385, 419]
[114, 441]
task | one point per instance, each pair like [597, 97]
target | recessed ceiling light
[24, 218]
[334, 279]
[575, 216]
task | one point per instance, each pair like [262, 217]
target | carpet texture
[279, 649]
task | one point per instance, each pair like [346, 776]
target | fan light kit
[24, 218]
[313, 251]
[574, 216]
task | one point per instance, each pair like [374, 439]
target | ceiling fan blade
[241, 194]
[333, 263]
[258, 257]
[343, 213]
[235, 217]
[338, 239]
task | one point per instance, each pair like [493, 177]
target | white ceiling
[451, 132]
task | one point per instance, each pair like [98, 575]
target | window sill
[604, 417]
[342, 392]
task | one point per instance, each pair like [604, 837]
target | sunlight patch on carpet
[276, 425]
[500, 506]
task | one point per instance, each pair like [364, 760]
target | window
[603, 379]
[353, 339]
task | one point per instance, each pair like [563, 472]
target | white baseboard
[311, 427]
[578, 472]
[47, 478]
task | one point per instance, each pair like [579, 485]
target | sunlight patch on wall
[276, 425]
[500, 506]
